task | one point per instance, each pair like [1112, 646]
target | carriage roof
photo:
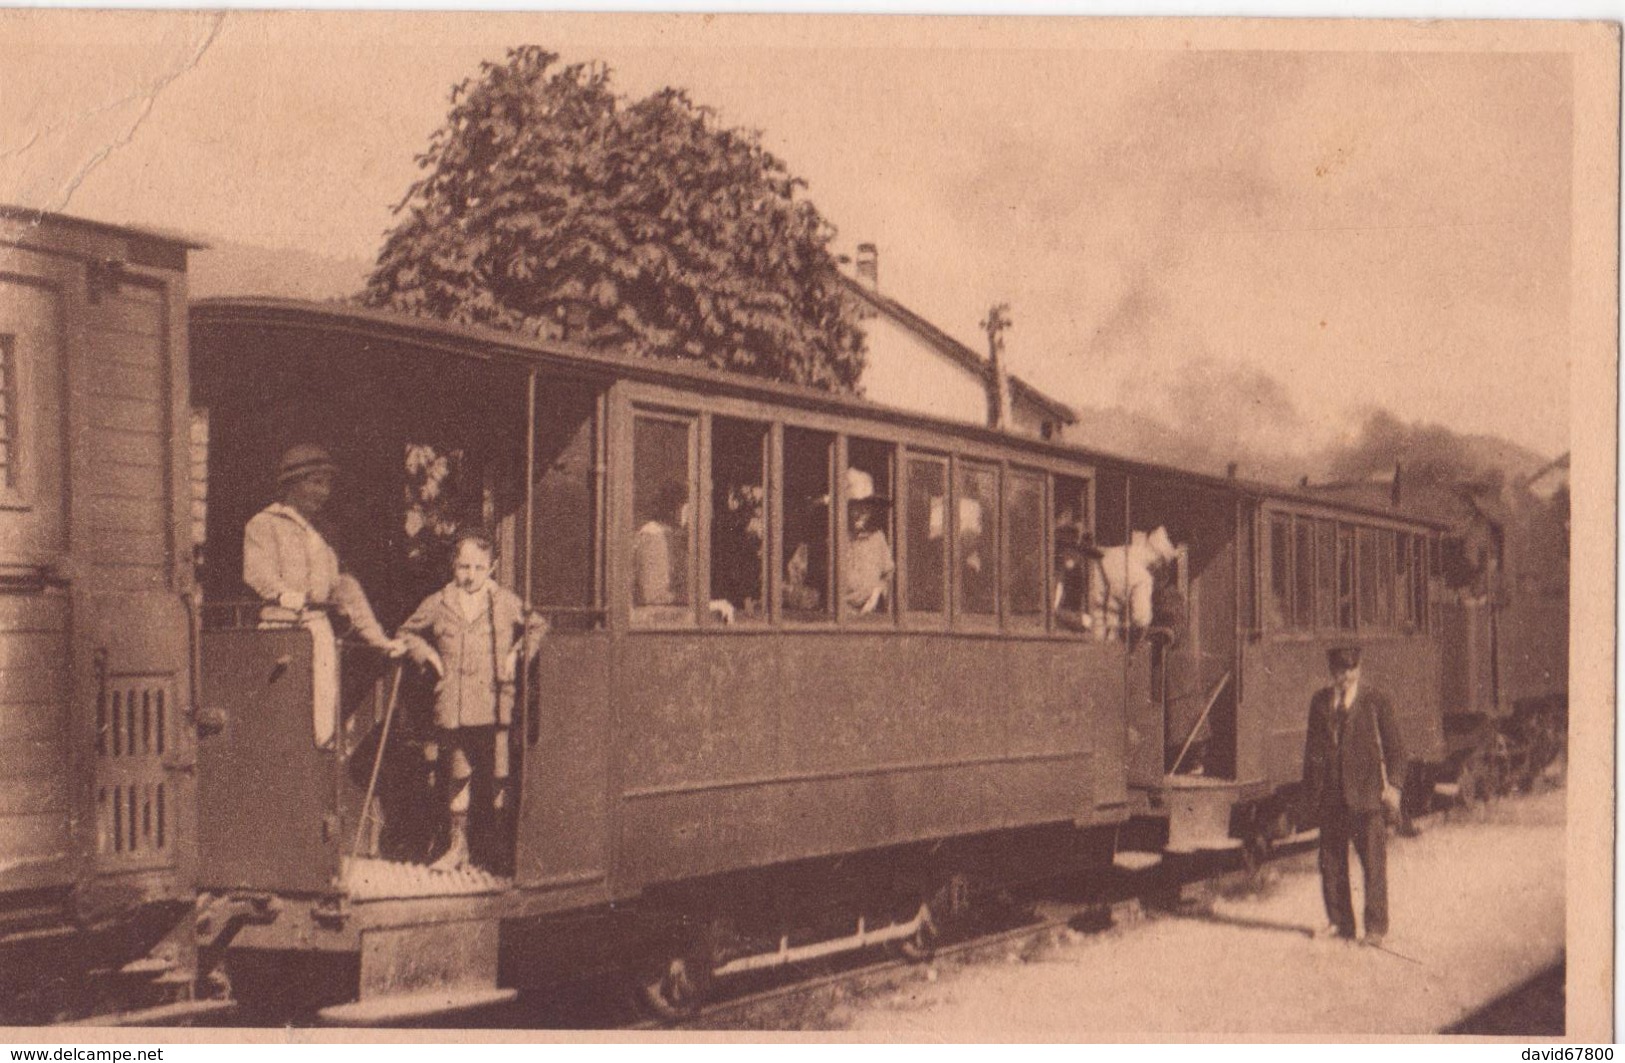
[484, 343]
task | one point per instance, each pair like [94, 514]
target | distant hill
[1428, 452]
[226, 268]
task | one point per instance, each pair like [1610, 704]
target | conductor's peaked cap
[302, 460]
[1342, 658]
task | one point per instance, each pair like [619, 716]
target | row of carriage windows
[826, 542]
[1327, 575]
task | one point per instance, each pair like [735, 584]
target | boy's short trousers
[481, 750]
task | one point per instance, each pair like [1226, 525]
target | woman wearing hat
[290, 565]
[867, 570]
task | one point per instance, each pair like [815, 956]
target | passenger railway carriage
[748, 768]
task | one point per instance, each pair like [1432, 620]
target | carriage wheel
[1470, 783]
[678, 983]
[921, 945]
[677, 989]
[1256, 849]
[946, 909]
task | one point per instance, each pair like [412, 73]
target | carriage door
[1175, 664]
[563, 814]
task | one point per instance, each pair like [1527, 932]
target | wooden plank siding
[95, 320]
[35, 760]
[36, 852]
[120, 380]
[123, 505]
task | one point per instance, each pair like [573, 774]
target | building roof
[30, 216]
[1020, 390]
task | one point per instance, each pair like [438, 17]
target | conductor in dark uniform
[1352, 758]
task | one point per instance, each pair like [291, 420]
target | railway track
[1009, 929]
[1016, 930]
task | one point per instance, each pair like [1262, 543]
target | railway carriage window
[1303, 582]
[738, 518]
[565, 532]
[1435, 581]
[437, 505]
[1387, 591]
[925, 515]
[8, 412]
[1325, 574]
[1024, 546]
[808, 523]
[1370, 567]
[1280, 598]
[1404, 597]
[1419, 583]
[662, 518]
[867, 564]
[1345, 577]
[1073, 547]
[976, 515]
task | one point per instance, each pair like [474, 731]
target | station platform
[1477, 906]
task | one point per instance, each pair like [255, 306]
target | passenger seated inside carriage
[1074, 557]
[868, 565]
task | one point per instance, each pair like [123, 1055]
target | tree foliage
[553, 207]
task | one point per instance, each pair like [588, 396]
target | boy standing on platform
[472, 632]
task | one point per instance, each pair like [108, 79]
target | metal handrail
[247, 614]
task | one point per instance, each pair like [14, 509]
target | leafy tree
[551, 206]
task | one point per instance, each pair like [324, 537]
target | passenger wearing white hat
[868, 564]
[1120, 595]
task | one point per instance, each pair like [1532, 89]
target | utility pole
[998, 397]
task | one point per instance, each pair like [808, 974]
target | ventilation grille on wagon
[134, 721]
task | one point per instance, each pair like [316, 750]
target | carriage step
[147, 967]
[1136, 861]
[380, 1011]
[177, 1014]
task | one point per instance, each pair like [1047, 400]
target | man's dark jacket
[1362, 772]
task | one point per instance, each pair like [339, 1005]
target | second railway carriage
[1269, 579]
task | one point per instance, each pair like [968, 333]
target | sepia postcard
[533, 527]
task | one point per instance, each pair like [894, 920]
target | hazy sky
[1275, 241]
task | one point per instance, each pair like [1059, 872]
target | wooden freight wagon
[96, 681]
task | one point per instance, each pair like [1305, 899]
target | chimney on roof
[868, 265]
